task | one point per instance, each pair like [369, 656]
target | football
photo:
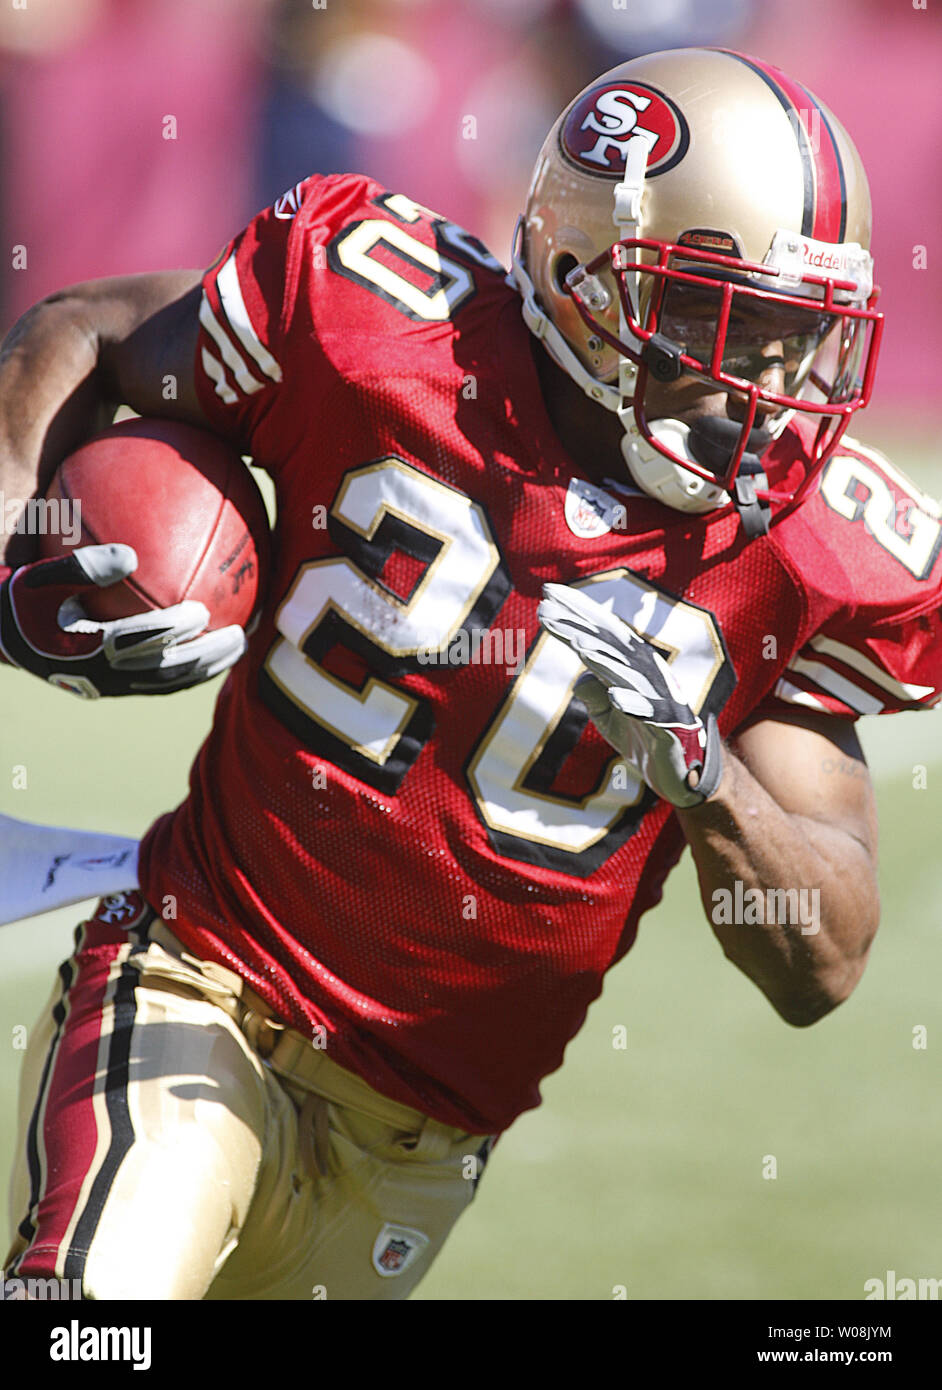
[188, 505]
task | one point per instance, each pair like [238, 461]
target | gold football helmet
[687, 210]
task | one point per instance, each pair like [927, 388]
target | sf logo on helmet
[599, 127]
[614, 116]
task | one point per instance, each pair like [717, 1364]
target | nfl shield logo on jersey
[591, 511]
[396, 1248]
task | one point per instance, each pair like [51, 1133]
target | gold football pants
[175, 1143]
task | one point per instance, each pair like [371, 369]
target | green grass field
[644, 1166]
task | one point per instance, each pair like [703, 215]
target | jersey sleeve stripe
[855, 659]
[832, 683]
[230, 294]
[793, 695]
[233, 359]
[214, 371]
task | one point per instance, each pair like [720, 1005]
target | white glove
[44, 629]
[634, 700]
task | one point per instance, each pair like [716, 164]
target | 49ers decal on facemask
[596, 133]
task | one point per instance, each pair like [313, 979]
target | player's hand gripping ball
[153, 590]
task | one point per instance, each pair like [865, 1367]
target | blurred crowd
[140, 134]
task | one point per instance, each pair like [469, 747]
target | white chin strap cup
[654, 474]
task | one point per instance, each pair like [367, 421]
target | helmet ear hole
[566, 263]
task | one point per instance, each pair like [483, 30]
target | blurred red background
[140, 134]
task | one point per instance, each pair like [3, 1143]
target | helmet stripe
[830, 207]
[821, 156]
[832, 186]
[779, 86]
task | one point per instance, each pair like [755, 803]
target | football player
[413, 845]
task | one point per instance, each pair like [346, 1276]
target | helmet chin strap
[658, 476]
[652, 472]
[627, 219]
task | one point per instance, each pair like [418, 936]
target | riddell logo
[596, 133]
[822, 260]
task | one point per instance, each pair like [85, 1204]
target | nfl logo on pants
[396, 1248]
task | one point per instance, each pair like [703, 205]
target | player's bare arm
[64, 368]
[764, 812]
[72, 358]
[794, 810]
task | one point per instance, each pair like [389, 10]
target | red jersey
[402, 826]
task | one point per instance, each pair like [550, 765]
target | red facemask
[706, 317]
